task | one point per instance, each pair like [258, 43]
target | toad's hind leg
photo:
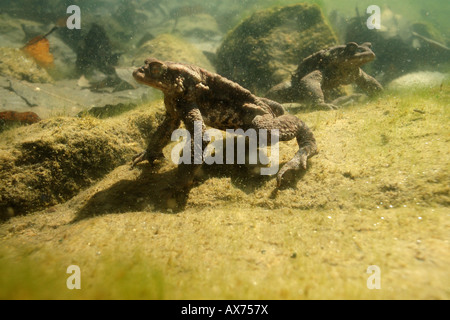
[290, 127]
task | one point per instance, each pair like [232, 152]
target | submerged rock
[422, 79]
[51, 161]
[266, 48]
[17, 64]
[168, 47]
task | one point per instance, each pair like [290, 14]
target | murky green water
[376, 194]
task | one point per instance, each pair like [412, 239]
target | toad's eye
[351, 47]
[155, 69]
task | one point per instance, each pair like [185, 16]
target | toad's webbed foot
[145, 156]
[297, 162]
[138, 158]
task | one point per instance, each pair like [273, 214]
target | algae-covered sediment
[376, 194]
[17, 64]
[52, 161]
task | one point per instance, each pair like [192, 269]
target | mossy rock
[51, 161]
[17, 64]
[168, 47]
[267, 47]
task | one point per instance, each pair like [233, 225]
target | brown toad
[318, 74]
[193, 94]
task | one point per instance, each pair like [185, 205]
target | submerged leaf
[39, 49]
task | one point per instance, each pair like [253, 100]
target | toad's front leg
[368, 84]
[159, 140]
[193, 122]
[310, 87]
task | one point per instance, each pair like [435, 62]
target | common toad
[318, 74]
[194, 94]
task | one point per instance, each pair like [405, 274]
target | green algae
[376, 194]
[51, 161]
